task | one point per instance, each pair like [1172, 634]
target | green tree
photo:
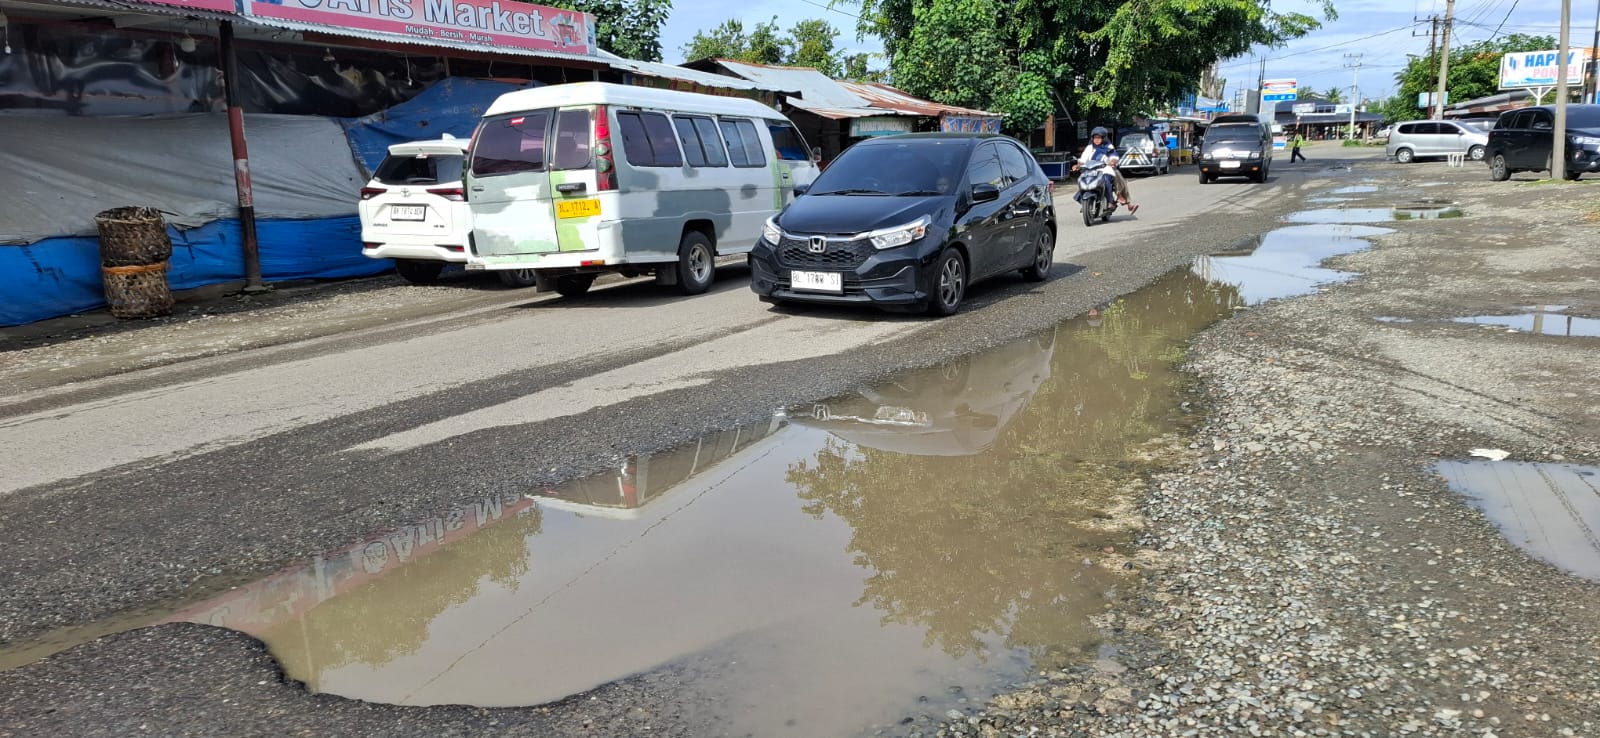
[811, 44]
[1027, 58]
[1474, 71]
[1333, 95]
[629, 28]
[1305, 91]
[857, 67]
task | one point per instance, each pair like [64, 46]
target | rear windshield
[928, 166]
[513, 143]
[420, 169]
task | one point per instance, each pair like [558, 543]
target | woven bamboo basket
[138, 291]
[132, 236]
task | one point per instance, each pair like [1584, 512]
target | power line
[1409, 26]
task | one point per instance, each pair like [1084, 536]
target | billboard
[1279, 90]
[1526, 69]
[485, 22]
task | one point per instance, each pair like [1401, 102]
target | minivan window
[1409, 129]
[702, 145]
[744, 144]
[572, 139]
[1233, 134]
[1542, 121]
[1018, 166]
[510, 144]
[787, 141]
[647, 140]
[986, 168]
[1523, 121]
[419, 169]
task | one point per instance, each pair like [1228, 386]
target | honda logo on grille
[817, 245]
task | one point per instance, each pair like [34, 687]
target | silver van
[1423, 139]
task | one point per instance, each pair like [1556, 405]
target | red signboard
[219, 6]
[485, 22]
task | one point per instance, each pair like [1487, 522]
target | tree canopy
[630, 28]
[1474, 73]
[810, 43]
[1027, 58]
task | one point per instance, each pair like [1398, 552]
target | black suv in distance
[1523, 139]
[1236, 150]
[908, 223]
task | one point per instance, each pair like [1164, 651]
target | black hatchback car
[908, 223]
[1522, 141]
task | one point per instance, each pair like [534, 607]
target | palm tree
[1334, 95]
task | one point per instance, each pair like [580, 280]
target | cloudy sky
[1381, 31]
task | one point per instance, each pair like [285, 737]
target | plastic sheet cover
[57, 172]
[451, 106]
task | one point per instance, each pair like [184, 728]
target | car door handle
[477, 189]
[1021, 211]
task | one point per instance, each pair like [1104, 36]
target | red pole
[241, 162]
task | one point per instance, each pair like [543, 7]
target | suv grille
[794, 252]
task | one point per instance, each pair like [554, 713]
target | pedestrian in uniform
[1294, 147]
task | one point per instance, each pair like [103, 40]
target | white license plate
[408, 212]
[1230, 165]
[816, 282]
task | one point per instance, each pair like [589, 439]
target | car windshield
[1233, 135]
[913, 167]
[419, 169]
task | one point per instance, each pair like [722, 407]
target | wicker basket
[132, 236]
[138, 291]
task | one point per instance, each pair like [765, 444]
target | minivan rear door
[508, 186]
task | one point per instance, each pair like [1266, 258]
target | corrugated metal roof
[883, 96]
[840, 113]
[668, 71]
[815, 89]
[131, 8]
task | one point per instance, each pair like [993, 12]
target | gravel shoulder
[1308, 574]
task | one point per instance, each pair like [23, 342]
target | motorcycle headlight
[889, 238]
[771, 232]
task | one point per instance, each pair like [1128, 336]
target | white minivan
[573, 180]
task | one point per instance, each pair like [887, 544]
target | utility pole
[1355, 87]
[1594, 59]
[1558, 148]
[1444, 58]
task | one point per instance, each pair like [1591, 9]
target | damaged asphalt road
[1201, 622]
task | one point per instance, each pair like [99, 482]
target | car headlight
[1586, 140]
[771, 232]
[889, 238]
[1255, 155]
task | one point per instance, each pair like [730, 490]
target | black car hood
[851, 214]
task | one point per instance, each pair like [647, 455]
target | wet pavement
[892, 554]
[1549, 510]
[1287, 261]
[1551, 321]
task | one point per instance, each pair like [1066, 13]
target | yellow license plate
[577, 208]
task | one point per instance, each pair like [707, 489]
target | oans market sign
[485, 22]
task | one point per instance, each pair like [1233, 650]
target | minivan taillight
[367, 193]
[455, 194]
[605, 164]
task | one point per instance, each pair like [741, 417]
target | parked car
[414, 210]
[1523, 140]
[908, 223]
[1236, 150]
[1141, 154]
[573, 180]
[1435, 139]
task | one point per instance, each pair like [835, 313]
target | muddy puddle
[1549, 510]
[1550, 321]
[1287, 261]
[908, 549]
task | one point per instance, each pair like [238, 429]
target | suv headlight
[771, 232]
[1255, 155]
[889, 238]
[1586, 140]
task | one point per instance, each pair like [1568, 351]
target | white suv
[415, 209]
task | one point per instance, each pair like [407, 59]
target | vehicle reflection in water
[932, 532]
[1288, 261]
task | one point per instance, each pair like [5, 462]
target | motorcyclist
[1099, 149]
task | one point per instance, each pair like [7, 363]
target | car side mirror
[985, 193]
[801, 189]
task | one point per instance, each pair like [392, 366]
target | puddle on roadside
[1549, 322]
[1286, 263]
[1353, 190]
[1549, 510]
[1391, 319]
[907, 549]
[1333, 216]
[1428, 210]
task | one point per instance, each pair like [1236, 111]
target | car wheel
[1405, 156]
[1044, 256]
[697, 265]
[418, 272]
[1572, 176]
[574, 285]
[1498, 170]
[1204, 179]
[949, 283]
[1475, 153]
[518, 278]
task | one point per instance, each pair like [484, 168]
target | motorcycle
[1096, 192]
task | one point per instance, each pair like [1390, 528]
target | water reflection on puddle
[1549, 322]
[1353, 190]
[849, 562]
[1549, 510]
[1286, 262]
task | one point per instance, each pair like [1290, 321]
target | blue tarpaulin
[452, 106]
[61, 276]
